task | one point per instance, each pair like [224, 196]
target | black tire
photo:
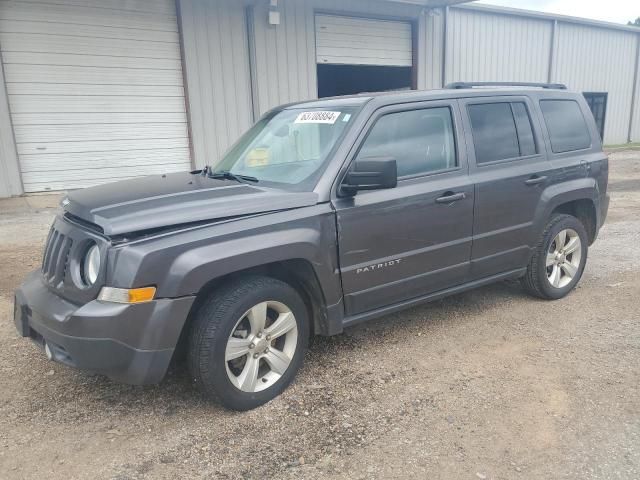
[213, 325]
[535, 281]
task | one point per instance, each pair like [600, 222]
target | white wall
[216, 66]
[494, 47]
[285, 69]
[599, 60]
[10, 183]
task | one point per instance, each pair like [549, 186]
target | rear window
[501, 131]
[567, 128]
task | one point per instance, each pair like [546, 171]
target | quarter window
[501, 131]
[567, 128]
[421, 141]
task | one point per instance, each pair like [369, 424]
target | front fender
[182, 263]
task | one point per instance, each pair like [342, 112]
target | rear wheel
[559, 259]
[248, 342]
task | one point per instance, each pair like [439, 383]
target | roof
[547, 16]
[417, 95]
[431, 3]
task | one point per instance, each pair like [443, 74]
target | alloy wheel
[261, 346]
[563, 258]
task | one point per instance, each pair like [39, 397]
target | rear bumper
[128, 343]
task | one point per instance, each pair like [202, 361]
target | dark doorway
[334, 80]
[598, 104]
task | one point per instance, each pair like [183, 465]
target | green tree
[635, 23]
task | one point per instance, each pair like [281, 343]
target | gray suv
[325, 214]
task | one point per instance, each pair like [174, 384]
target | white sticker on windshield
[318, 117]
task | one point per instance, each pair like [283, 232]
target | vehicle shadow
[177, 395]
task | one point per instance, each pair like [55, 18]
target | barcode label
[318, 117]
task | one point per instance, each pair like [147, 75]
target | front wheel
[248, 342]
[559, 259]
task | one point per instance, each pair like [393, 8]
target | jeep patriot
[323, 215]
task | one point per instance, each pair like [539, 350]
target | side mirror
[370, 173]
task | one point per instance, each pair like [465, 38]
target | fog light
[127, 295]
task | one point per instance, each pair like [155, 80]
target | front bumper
[128, 343]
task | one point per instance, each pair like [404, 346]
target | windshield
[288, 147]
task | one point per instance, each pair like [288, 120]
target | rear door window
[566, 125]
[494, 132]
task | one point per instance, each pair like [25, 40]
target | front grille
[56, 256]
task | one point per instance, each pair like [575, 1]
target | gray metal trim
[253, 73]
[634, 92]
[445, 50]
[185, 83]
[546, 16]
[552, 51]
[10, 178]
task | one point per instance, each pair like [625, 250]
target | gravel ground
[489, 384]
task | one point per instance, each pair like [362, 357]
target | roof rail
[457, 85]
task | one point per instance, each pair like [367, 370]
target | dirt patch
[488, 384]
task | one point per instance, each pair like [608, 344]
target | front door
[415, 239]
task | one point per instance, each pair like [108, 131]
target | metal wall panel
[94, 78]
[430, 48]
[285, 54]
[634, 127]
[493, 47]
[10, 182]
[593, 59]
[216, 66]
[344, 40]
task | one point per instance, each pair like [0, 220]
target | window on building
[421, 141]
[567, 128]
[597, 102]
[501, 131]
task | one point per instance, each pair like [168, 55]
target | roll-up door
[361, 41]
[95, 90]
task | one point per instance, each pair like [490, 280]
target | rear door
[510, 169]
[408, 241]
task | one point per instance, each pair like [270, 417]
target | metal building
[93, 91]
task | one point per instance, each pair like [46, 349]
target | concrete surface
[491, 384]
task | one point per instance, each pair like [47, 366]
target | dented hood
[164, 200]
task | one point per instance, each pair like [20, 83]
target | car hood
[164, 200]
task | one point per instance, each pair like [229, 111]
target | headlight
[91, 265]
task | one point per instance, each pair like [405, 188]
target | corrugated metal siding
[635, 126]
[10, 183]
[492, 47]
[430, 49]
[285, 69]
[95, 90]
[592, 59]
[216, 59]
[344, 40]
[285, 61]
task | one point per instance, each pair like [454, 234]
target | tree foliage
[635, 23]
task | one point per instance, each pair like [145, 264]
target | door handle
[535, 180]
[450, 197]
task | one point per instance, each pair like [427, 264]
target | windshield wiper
[226, 174]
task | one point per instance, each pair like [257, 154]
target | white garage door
[95, 90]
[361, 41]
